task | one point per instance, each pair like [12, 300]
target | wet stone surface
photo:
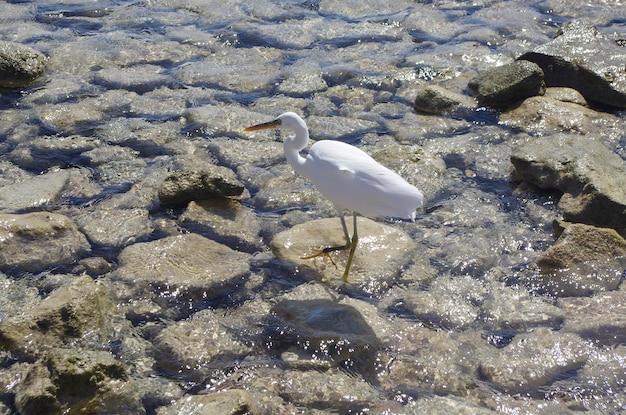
[151, 250]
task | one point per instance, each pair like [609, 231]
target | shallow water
[147, 87]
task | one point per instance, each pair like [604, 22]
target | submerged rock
[77, 381]
[506, 85]
[114, 227]
[591, 177]
[73, 311]
[181, 188]
[584, 260]
[189, 348]
[36, 192]
[312, 324]
[37, 241]
[434, 99]
[20, 65]
[600, 318]
[582, 58]
[225, 221]
[533, 360]
[226, 402]
[181, 272]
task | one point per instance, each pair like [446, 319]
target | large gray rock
[20, 65]
[582, 58]
[36, 241]
[506, 85]
[591, 177]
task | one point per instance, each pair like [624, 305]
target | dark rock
[582, 58]
[36, 241]
[506, 85]
[591, 177]
[434, 99]
[215, 182]
[20, 65]
[585, 260]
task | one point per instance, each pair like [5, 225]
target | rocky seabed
[151, 252]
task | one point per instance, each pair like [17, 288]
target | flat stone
[36, 192]
[181, 271]
[114, 227]
[382, 253]
[582, 58]
[225, 402]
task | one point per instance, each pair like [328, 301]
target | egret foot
[326, 251]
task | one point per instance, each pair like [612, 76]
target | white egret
[348, 177]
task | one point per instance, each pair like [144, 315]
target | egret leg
[353, 244]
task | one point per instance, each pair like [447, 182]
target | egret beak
[263, 126]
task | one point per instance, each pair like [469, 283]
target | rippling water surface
[147, 87]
